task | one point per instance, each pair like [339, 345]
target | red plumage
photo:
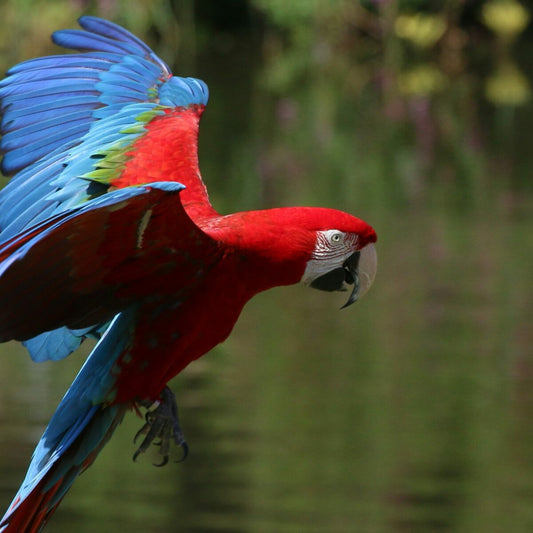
[154, 259]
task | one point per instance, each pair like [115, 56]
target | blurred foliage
[422, 29]
[508, 86]
[507, 18]
[439, 81]
[438, 76]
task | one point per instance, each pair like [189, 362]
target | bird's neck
[168, 151]
[260, 250]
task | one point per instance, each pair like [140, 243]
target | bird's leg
[162, 423]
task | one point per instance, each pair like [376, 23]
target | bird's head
[323, 248]
[340, 262]
[344, 256]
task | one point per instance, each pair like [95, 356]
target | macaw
[106, 231]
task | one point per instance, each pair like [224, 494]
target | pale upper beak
[359, 271]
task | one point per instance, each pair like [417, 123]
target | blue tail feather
[82, 424]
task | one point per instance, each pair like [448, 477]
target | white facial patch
[332, 248]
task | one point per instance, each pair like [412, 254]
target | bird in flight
[107, 232]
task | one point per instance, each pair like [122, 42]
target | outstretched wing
[83, 266]
[75, 125]
[79, 125]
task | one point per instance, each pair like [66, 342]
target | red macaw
[106, 230]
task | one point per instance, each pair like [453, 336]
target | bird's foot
[162, 428]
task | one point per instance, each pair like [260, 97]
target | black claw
[162, 427]
[141, 431]
[163, 462]
[184, 451]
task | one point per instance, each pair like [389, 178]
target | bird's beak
[351, 277]
[358, 271]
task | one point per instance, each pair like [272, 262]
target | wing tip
[182, 92]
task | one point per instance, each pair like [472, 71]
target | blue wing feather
[32, 133]
[39, 75]
[47, 86]
[58, 344]
[119, 71]
[59, 111]
[46, 121]
[97, 60]
[85, 41]
[53, 107]
[43, 95]
[34, 147]
[104, 27]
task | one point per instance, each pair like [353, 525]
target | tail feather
[38, 498]
[80, 427]
[31, 514]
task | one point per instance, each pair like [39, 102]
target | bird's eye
[336, 237]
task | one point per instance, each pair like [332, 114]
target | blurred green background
[413, 410]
